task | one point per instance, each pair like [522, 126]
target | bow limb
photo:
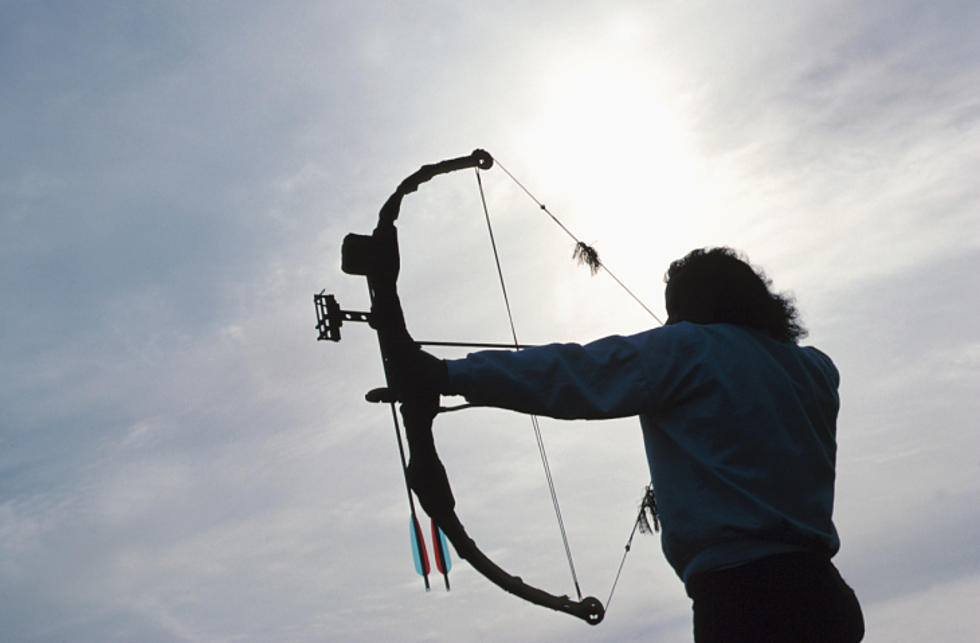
[427, 477]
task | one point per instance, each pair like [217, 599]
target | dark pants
[792, 598]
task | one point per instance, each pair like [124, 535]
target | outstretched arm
[603, 379]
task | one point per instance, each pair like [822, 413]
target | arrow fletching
[419, 552]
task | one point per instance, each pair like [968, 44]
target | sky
[181, 460]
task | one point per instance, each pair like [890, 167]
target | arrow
[419, 552]
[440, 552]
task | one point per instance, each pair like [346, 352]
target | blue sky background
[180, 460]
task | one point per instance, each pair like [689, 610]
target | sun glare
[614, 148]
[610, 125]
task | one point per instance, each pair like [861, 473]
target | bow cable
[586, 254]
[583, 251]
[534, 418]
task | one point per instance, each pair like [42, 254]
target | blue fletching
[419, 552]
[440, 551]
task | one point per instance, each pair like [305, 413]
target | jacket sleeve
[607, 378]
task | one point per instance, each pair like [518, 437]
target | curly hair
[716, 285]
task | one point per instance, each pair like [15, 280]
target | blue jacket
[740, 429]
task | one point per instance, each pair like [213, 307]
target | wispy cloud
[179, 459]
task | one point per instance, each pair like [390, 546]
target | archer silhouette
[739, 424]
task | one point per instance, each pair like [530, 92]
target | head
[715, 285]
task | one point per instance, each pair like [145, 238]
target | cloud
[180, 460]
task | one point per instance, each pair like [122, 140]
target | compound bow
[376, 257]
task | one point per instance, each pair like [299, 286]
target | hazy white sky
[180, 460]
